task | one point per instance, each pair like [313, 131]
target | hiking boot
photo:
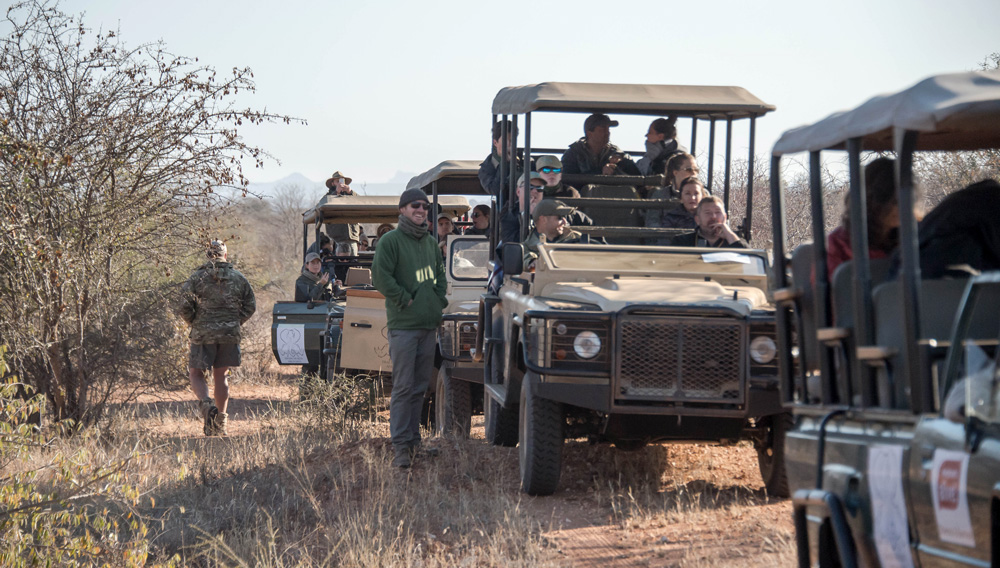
[203, 407]
[402, 459]
[211, 417]
[422, 452]
[220, 423]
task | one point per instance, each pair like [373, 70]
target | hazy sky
[391, 87]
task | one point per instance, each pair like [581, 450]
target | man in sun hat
[594, 154]
[409, 272]
[339, 185]
[216, 300]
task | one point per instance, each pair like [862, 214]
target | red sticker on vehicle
[949, 484]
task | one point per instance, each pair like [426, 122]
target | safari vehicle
[346, 333]
[883, 473]
[457, 384]
[629, 344]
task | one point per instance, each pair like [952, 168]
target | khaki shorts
[209, 355]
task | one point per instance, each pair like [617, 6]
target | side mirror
[513, 258]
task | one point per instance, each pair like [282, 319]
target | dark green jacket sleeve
[383, 278]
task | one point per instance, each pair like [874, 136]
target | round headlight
[561, 329]
[763, 349]
[587, 345]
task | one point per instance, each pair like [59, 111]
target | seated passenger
[661, 145]
[445, 227]
[313, 285]
[713, 228]
[480, 220]
[489, 170]
[594, 154]
[550, 170]
[883, 217]
[682, 216]
[680, 166]
[510, 219]
[962, 234]
[324, 244]
[550, 226]
[380, 231]
[342, 260]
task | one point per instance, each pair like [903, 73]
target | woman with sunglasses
[549, 169]
[480, 220]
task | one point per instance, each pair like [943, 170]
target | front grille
[681, 359]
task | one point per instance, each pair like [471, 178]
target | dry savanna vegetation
[117, 164]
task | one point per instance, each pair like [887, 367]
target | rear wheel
[541, 441]
[771, 452]
[452, 405]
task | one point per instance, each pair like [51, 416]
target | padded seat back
[358, 276]
[613, 217]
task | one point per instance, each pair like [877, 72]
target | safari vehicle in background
[457, 383]
[884, 470]
[349, 333]
[626, 343]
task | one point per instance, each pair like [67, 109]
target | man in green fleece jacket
[409, 272]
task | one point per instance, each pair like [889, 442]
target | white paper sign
[951, 501]
[726, 257]
[292, 344]
[885, 484]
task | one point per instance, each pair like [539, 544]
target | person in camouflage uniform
[216, 301]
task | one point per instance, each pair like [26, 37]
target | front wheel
[770, 448]
[540, 441]
[452, 405]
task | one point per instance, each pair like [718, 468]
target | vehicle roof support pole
[821, 284]
[711, 156]
[920, 382]
[694, 135]
[748, 223]
[435, 209]
[305, 239]
[498, 203]
[862, 300]
[729, 157]
[526, 206]
[511, 162]
[783, 314]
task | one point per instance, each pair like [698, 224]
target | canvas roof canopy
[682, 100]
[453, 177]
[373, 209]
[957, 111]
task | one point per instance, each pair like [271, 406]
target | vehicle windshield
[714, 262]
[470, 259]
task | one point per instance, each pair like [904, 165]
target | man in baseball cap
[594, 154]
[550, 227]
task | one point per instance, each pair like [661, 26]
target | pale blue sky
[397, 86]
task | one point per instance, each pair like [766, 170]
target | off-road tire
[771, 453]
[499, 423]
[452, 406]
[540, 443]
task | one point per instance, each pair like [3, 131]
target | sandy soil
[715, 511]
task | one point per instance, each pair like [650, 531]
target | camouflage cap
[216, 249]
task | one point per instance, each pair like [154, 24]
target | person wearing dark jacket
[489, 170]
[549, 168]
[216, 300]
[409, 272]
[313, 286]
[339, 185]
[661, 145]
[962, 234]
[480, 220]
[594, 154]
[713, 228]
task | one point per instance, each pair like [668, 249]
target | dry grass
[309, 484]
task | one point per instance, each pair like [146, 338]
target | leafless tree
[110, 162]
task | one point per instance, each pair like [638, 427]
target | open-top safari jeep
[627, 343]
[347, 333]
[457, 382]
[894, 459]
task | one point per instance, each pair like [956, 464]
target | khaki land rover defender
[457, 384]
[349, 333]
[894, 457]
[624, 342]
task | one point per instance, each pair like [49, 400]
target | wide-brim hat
[337, 174]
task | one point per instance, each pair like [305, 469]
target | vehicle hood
[615, 294]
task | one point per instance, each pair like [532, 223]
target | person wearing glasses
[550, 170]
[409, 272]
[661, 145]
[594, 154]
[480, 220]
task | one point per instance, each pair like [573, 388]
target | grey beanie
[411, 195]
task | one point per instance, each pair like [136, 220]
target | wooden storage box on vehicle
[366, 341]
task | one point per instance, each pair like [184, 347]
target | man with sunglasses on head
[409, 272]
[480, 220]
